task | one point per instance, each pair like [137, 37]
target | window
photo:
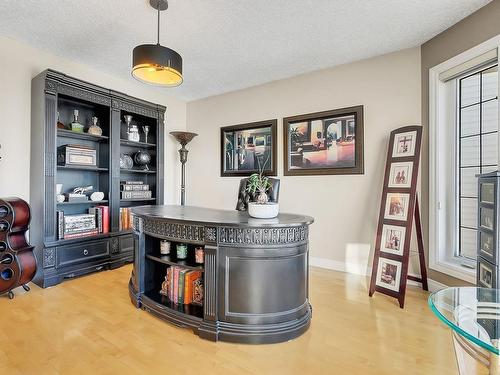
[477, 149]
[463, 142]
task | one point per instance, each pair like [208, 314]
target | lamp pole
[183, 138]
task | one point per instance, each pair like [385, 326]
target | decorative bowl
[126, 161]
[263, 211]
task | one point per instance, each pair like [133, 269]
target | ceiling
[230, 44]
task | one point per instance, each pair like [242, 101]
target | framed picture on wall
[487, 277]
[323, 143]
[389, 274]
[393, 239]
[400, 174]
[396, 206]
[247, 147]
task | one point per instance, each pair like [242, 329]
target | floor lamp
[183, 138]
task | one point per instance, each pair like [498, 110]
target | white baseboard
[358, 269]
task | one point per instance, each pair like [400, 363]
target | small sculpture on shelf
[60, 125]
[95, 129]
[132, 130]
[59, 195]
[145, 129]
[142, 159]
[75, 125]
[79, 194]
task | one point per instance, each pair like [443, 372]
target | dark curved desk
[255, 272]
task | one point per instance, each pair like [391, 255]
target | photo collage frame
[399, 207]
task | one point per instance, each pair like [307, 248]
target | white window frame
[439, 118]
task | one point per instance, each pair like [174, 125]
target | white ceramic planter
[263, 211]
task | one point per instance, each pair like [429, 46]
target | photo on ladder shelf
[393, 239]
[400, 174]
[389, 274]
[404, 144]
[396, 206]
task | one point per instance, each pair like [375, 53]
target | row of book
[125, 219]
[83, 225]
[135, 190]
[183, 286]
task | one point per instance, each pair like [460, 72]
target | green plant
[258, 183]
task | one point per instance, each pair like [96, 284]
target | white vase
[263, 211]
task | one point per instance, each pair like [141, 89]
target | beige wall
[471, 31]
[345, 207]
[19, 63]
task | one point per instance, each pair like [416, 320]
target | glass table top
[473, 313]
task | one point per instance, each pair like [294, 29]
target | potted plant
[257, 187]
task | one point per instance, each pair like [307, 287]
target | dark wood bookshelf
[172, 260]
[55, 97]
[82, 136]
[125, 142]
[138, 200]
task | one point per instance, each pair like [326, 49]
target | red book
[176, 284]
[105, 219]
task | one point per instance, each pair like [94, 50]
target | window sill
[455, 269]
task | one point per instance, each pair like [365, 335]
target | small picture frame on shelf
[396, 206]
[389, 274]
[487, 192]
[393, 239]
[486, 275]
[487, 218]
[486, 245]
[404, 144]
[401, 174]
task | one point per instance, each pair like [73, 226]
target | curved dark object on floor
[17, 261]
[244, 197]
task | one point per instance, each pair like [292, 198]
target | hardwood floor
[89, 326]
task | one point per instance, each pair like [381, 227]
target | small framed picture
[487, 218]
[400, 174]
[396, 206]
[488, 192]
[486, 245]
[486, 275]
[389, 274]
[393, 239]
[404, 144]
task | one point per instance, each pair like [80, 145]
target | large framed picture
[323, 143]
[389, 274]
[396, 206]
[246, 148]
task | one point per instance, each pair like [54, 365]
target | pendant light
[154, 64]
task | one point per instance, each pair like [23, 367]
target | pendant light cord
[158, 25]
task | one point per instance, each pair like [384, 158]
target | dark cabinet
[55, 98]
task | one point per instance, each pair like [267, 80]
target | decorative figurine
[59, 195]
[164, 247]
[182, 251]
[75, 125]
[97, 196]
[199, 254]
[132, 130]
[142, 159]
[94, 128]
[60, 125]
[145, 129]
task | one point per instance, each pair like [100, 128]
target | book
[105, 218]
[97, 211]
[191, 277]
[81, 234]
[136, 194]
[165, 285]
[60, 225]
[130, 187]
[176, 284]
[182, 276]
[198, 291]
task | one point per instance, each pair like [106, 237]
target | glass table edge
[457, 329]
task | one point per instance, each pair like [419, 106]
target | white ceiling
[230, 44]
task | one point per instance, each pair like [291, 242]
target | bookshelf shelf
[137, 171]
[89, 202]
[173, 261]
[82, 136]
[80, 239]
[125, 142]
[81, 168]
[191, 309]
[138, 200]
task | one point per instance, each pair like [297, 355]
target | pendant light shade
[157, 65]
[154, 64]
